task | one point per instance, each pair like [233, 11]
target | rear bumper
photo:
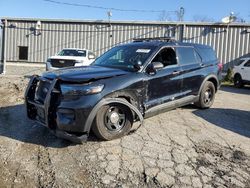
[48, 115]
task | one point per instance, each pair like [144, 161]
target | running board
[169, 106]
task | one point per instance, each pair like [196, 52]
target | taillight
[220, 66]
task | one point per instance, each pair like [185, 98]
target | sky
[194, 10]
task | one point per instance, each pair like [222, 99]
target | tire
[106, 126]
[238, 81]
[207, 96]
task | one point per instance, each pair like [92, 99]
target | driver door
[165, 84]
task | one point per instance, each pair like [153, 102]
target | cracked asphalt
[186, 147]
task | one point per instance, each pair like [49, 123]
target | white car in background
[241, 72]
[70, 57]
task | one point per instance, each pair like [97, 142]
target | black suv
[128, 83]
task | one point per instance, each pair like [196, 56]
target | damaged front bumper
[45, 111]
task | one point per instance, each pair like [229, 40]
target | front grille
[60, 63]
[42, 90]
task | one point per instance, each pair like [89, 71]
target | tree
[202, 18]
[164, 16]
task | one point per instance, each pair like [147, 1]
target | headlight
[81, 89]
[80, 61]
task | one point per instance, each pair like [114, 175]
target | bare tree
[202, 18]
[164, 16]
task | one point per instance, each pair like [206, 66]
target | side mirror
[157, 65]
[138, 65]
[91, 56]
[154, 67]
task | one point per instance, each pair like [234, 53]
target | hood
[68, 57]
[84, 74]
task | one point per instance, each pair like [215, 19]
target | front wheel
[112, 121]
[207, 95]
[238, 81]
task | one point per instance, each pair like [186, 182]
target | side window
[247, 64]
[187, 55]
[197, 56]
[239, 62]
[166, 56]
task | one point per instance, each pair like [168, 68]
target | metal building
[34, 40]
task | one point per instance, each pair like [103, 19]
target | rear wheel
[238, 81]
[112, 121]
[207, 95]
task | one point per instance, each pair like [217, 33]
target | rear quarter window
[187, 55]
[207, 54]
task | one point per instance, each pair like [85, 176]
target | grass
[227, 83]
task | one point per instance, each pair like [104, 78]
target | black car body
[138, 80]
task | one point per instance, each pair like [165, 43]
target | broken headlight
[73, 89]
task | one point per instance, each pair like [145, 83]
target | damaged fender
[106, 101]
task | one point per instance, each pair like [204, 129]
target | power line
[99, 30]
[91, 36]
[99, 50]
[105, 8]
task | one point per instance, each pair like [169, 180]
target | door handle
[176, 72]
[242, 68]
[202, 65]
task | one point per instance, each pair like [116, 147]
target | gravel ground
[185, 147]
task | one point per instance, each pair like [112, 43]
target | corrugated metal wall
[55, 36]
[229, 43]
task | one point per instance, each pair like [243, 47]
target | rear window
[207, 54]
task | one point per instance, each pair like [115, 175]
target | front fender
[106, 101]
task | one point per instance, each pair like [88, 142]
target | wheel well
[128, 97]
[237, 74]
[214, 81]
[131, 101]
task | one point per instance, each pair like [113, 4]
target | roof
[74, 49]
[158, 42]
[142, 22]
[245, 58]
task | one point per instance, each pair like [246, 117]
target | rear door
[190, 63]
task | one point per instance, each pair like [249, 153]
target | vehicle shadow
[14, 124]
[234, 120]
[231, 89]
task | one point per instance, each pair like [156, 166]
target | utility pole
[181, 14]
[109, 13]
[3, 58]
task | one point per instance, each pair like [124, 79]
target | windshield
[71, 52]
[125, 57]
